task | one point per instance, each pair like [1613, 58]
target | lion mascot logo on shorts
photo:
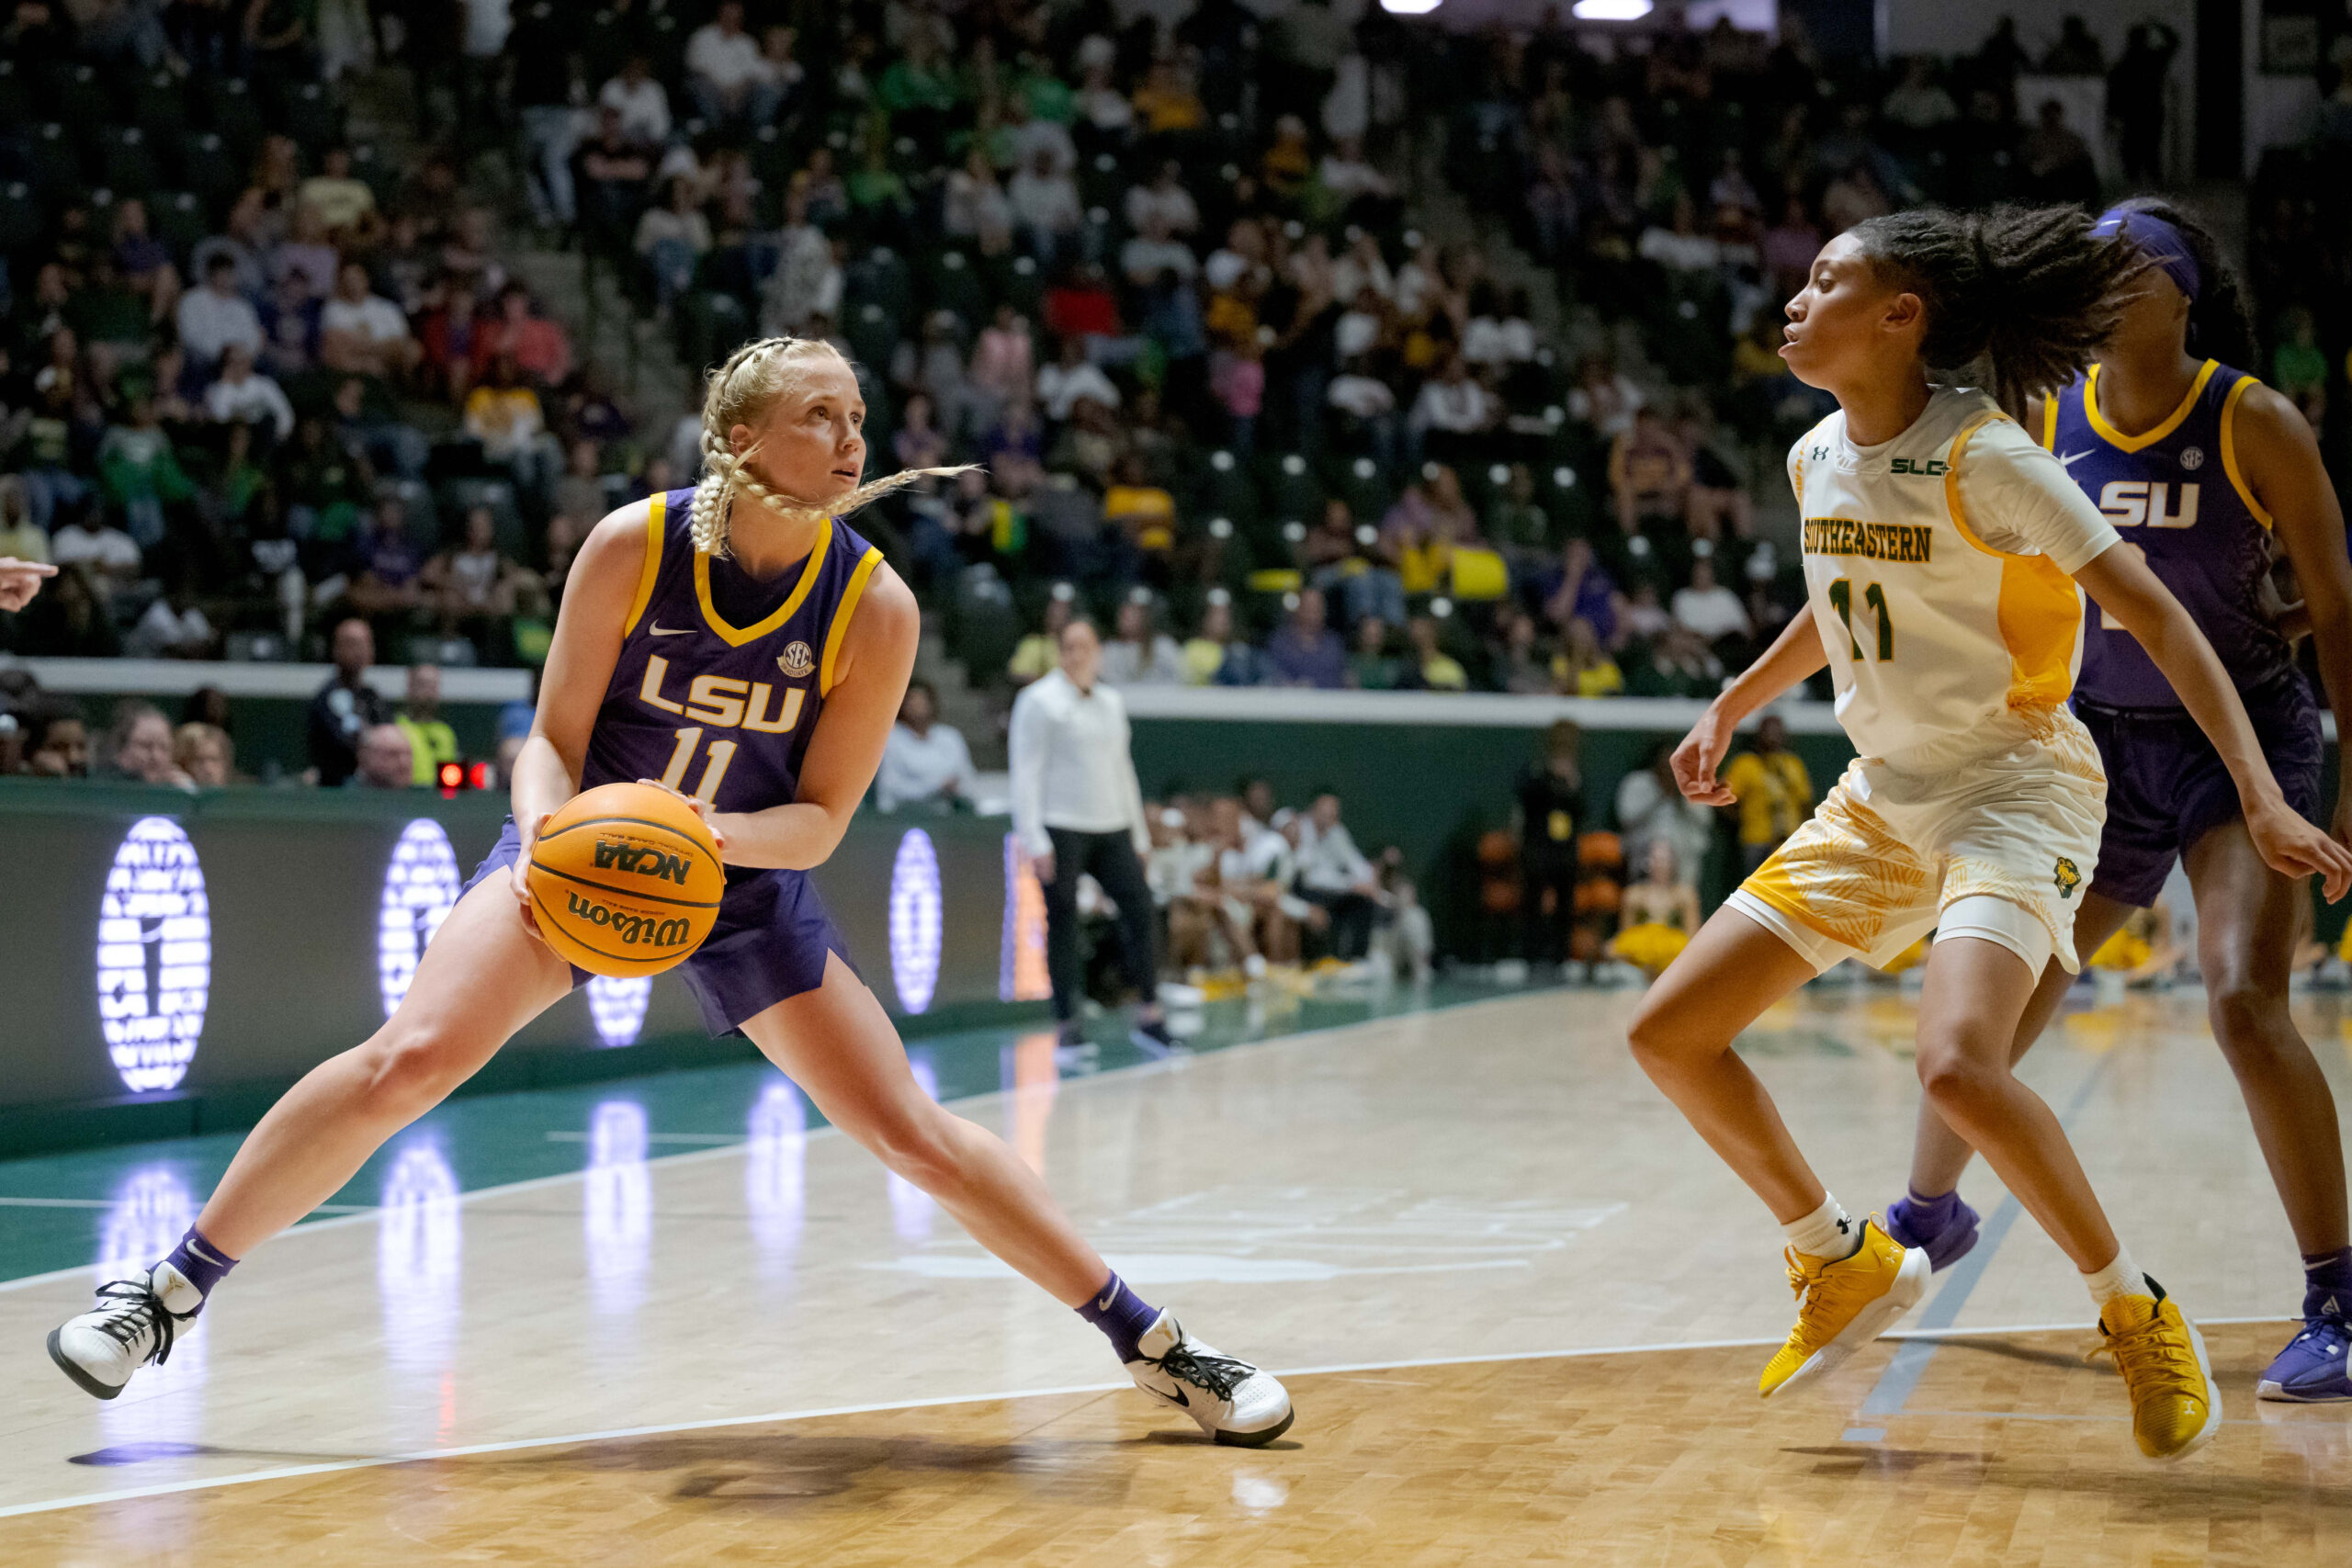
[2069, 877]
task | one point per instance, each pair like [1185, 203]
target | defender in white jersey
[1943, 549]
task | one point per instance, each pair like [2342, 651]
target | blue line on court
[1896, 1384]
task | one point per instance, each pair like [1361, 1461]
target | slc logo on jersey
[1925, 467]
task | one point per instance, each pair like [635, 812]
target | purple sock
[1930, 1215]
[202, 1264]
[1121, 1314]
[2327, 1283]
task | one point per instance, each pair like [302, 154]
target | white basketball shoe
[1234, 1401]
[134, 1323]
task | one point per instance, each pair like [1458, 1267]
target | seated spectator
[172, 627]
[431, 742]
[2058, 162]
[363, 333]
[1708, 610]
[1349, 175]
[1917, 103]
[1168, 103]
[204, 752]
[384, 761]
[1070, 377]
[1041, 650]
[384, 584]
[141, 260]
[1773, 790]
[1165, 199]
[1155, 254]
[1519, 662]
[925, 763]
[69, 619]
[1304, 651]
[1137, 654]
[1649, 473]
[1045, 208]
[1788, 248]
[639, 107]
[1583, 667]
[1659, 913]
[139, 747]
[1371, 667]
[346, 706]
[1434, 668]
[241, 243]
[476, 589]
[1498, 333]
[976, 208]
[142, 472]
[340, 200]
[306, 254]
[1450, 408]
[1334, 876]
[1143, 512]
[242, 396]
[22, 538]
[1672, 662]
[211, 318]
[111, 558]
[674, 238]
[504, 415]
[1212, 644]
[727, 77]
[612, 172]
[539, 347]
[57, 742]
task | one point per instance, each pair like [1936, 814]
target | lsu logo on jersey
[1921, 468]
[722, 702]
[2129, 504]
[2068, 876]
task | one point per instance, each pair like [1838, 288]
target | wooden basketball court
[1520, 1307]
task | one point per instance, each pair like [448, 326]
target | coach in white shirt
[1334, 874]
[1077, 811]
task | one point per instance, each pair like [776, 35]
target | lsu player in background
[1942, 550]
[739, 644]
[2205, 472]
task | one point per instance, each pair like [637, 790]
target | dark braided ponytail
[2221, 322]
[2024, 292]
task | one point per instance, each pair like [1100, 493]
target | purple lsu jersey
[2175, 493]
[719, 711]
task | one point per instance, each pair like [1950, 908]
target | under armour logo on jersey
[796, 660]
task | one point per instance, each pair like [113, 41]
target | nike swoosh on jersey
[658, 629]
[2071, 458]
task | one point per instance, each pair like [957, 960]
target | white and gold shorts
[1997, 847]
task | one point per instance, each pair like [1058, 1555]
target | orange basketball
[625, 880]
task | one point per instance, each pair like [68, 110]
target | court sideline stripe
[1901, 1379]
[512, 1444]
[361, 1214]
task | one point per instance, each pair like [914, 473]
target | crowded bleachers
[1329, 387]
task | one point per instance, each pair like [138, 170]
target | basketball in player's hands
[625, 880]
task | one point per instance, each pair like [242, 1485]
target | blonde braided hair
[739, 392]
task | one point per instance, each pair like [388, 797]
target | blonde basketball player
[739, 644]
[1942, 551]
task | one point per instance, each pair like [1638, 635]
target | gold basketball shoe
[2175, 1405]
[1846, 1304]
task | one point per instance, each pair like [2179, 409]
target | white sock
[2120, 1278]
[1828, 1231]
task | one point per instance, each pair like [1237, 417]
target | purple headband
[2161, 244]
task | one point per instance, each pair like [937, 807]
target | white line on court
[329, 1467]
[359, 1213]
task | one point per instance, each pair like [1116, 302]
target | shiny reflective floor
[1522, 1308]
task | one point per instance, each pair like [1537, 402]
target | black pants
[1350, 936]
[1110, 859]
[1544, 937]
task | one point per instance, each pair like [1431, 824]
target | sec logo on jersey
[796, 660]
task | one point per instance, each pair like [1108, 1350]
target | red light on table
[452, 775]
